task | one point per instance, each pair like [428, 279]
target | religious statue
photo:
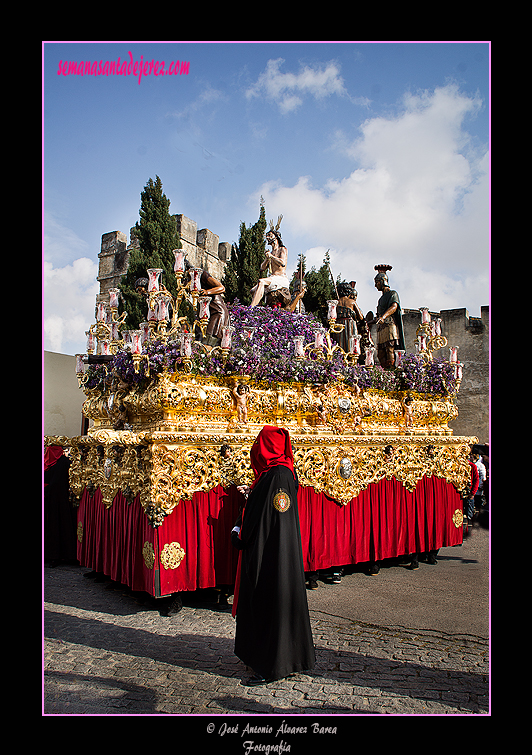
[228, 465]
[388, 453]
[276, 263]
[218, 311]
[321, 414]
[408, 413]
[240, 396]
[141, 287]
[283, 298]
[389, 321]
[349, 314]
[300, 289]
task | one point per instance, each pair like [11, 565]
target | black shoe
[414, 565]
[312, 584]
[374, 569]
[336, 579]
[254, 681]
[431, 559]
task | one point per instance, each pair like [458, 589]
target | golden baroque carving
[342, 470]
[111, 461]
[175, 401]
[164, 468]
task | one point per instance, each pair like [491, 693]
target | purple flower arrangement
[435, 377]
[263, 347]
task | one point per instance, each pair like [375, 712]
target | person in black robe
[273, 635]
[59, 514]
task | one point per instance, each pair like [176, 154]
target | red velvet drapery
[385, 520]
[113, 538]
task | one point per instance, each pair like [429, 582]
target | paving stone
[107, 653]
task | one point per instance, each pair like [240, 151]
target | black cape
[273, 634]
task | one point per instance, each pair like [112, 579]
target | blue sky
[375, 151]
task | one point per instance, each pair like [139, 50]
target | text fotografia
[123, 68]
[250, 746]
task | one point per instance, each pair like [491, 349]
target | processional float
[156, 476]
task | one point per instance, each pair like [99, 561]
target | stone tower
[203, 249]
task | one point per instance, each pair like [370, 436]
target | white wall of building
[62, 399]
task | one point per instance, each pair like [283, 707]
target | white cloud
[288, 89]
[417, 199]
[69, 295]
[207, 96]
[60, 243]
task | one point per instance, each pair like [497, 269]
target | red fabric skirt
[385, 520]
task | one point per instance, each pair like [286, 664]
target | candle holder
[429, 336]
[399, 357]
[354, 351]
[227, 340]
[323, 346]
[179, 264]
[80, 370]
[224, 349]
[107, 327]
[299, 347]
[160, 301]
[136, 351]
[369, 357]
[203, 313]
[248, 333]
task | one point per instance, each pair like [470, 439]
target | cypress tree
[320, 288]
[243, 270]
[157, 236]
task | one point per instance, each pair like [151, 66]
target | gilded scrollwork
[458, 518]
[174, 401]
[165, 468]
[344, 438]
[110, 460]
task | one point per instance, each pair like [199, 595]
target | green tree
[158, 236]
[320, 288]
[299, 272]
[243, 269]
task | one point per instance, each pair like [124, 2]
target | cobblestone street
[110, 651]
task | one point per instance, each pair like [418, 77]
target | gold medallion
[281, 501]
[458, 518]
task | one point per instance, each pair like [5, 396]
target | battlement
[471, 336]
[202, 247]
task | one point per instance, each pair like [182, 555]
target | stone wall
[203, 249]
[471, 335]
[114, 259]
